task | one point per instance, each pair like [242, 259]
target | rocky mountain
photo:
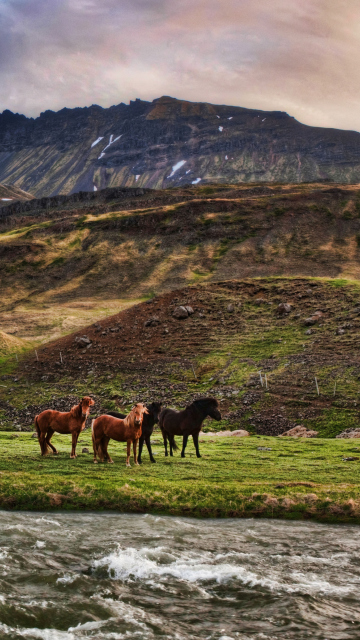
[167, 143]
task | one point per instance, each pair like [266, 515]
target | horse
[49, 421]
[149, 421]
[187, 423]
[123, 430]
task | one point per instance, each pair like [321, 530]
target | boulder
[189, 309]
[283, 308]
[180, 313]
[299, 432]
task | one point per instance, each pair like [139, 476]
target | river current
[113, 577]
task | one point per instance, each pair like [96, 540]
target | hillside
[234, 333]
[9, 194]
[66, 262]
[167, 143]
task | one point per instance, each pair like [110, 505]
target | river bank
[236, 477]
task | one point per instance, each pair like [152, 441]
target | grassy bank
[295, 479]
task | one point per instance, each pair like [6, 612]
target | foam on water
[118, 577]
[130, 563]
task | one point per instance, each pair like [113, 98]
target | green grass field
[297, 478]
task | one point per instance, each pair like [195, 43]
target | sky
[298, 56]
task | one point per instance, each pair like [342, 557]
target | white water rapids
[113, 577]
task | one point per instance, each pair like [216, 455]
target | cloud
[300, 57]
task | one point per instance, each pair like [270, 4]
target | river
[69, 576]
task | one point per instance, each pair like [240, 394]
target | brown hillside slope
[105, 254]
[235, 332]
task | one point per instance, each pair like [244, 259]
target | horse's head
[86, 403]
[138, 413]
[210, 406]
[154, 409]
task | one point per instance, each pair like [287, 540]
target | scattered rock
[264, 449]
[309, 332]
[152, 321]
[349, 433]
[350, 458]
[299, 432]
[260, 301]
[283, 308]
[34, 435]
[230, 308]
[309, 498]
[180, 313]
[241, 433]
[340, 331]
[85, 450]
[83, 341]
[189, 309]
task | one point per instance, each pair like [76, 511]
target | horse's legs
[128, 453]
[97, 442]
[165, 443]
[49, 435]
[185, 439]
[196, 444]
[148, 444]
[43, 444]
[74, 440]
[134, 449]
[141, 444]
[104, 445]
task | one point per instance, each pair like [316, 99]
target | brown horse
[73, 422]
[123, 430]
[187, 423]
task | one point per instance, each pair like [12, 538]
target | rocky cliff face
[168, 143]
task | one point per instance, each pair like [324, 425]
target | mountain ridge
[166, 143]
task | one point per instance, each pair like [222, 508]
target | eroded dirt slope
[236, 346]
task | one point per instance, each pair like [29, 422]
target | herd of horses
[133, 428]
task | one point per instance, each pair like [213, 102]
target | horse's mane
[205, 402]
[76, 410]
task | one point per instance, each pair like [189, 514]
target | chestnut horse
[187, 423]
[147, 427]
[73, 422]
[123, 430]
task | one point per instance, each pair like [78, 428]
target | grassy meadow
[254, 476]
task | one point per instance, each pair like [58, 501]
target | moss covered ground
[254, 476]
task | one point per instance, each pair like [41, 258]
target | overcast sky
[299, 56]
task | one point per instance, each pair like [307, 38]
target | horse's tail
[37, 426]
[93, 436]
[174, 445]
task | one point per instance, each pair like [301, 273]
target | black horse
[187, 423]
[149, 420]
